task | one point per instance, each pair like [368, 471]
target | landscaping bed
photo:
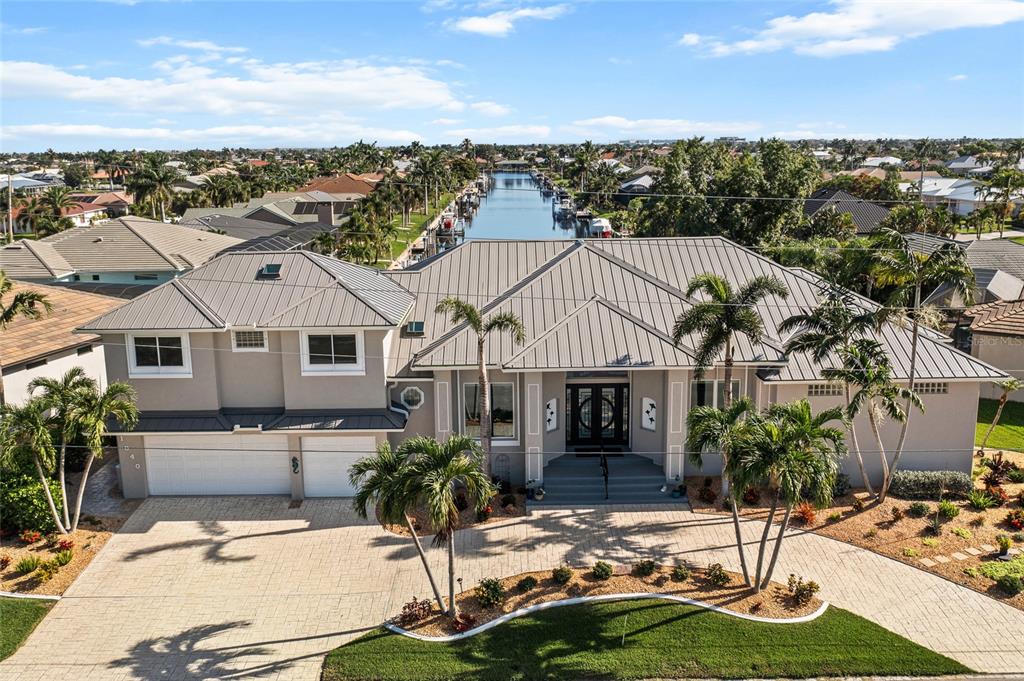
[18, 617]
[502, 507]
[642, 640]
[86, 542]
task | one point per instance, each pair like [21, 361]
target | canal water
[515, 209]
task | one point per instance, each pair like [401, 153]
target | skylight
[271, 270]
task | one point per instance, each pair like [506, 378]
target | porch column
[675, 435]
[442, 404]
[534, 440]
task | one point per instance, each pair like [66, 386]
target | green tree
[1007, 386]
[26, 428]
[29, 304]
[325, 243]
[75, 175]
[923, 150]
[56, 200]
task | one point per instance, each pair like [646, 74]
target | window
[824, 390]
[414, 328]
[145, 277]
[249, 341]
[85, 350]
[159, 356]
[931, 388]
[502, 410]
[412, 397]
[711, 393]
[332, 353]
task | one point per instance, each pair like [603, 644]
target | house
[287, 208]
[879, 161]
[25, 184]
[128, 250]
[258, 235]
[996, 336]
[969, 165]
[998, 268]
[48, 347]
[115, 204]
[882, 173]
[960, 195]
[273, 372]
[865, 214]
[348, 183]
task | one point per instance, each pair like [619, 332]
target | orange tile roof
[1003, 318]
[349, 183]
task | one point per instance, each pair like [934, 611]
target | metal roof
[865, 214]
[227, 420]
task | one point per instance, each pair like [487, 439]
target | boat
[601, 227]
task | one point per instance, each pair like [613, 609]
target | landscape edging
[38, 597]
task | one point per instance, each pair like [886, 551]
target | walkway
[196, 588]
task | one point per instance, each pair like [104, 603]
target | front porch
[578, 479]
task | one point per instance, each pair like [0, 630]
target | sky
[177, 75]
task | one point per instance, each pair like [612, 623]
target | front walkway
[240, 587]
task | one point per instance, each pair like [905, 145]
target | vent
[271, 270]
[414, 329]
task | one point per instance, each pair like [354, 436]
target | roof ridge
[196, 301]
[314, 258]
[149, 243]
[529, 346]
[42, 261]
[647, 327]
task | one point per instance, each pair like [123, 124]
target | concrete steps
[576, 480]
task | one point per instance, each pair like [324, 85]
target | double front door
[597, 414]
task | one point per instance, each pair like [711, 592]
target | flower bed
[83, 544]
[499, 510]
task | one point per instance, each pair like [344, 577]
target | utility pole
[9, 232]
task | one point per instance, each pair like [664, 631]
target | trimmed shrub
[28, 564]
[680, 573]
[602, 570]
[562, 574]
[490, 593]
[948, 510]
[918, 509]
[23, 505]
[645, 568]
[64, 557]
[716, 575]
[526, 583]
[1011, 584]
[980, 500]
[415, 611]
[930, 484]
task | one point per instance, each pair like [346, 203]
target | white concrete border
[38, 597]
[604, 597]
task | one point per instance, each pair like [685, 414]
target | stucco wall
[422, 420]
[198, 393]
[554, 389]
[327, 392]
[250, 379]
[16, 381]
[1004, 352]
[647, 443]
[132, 457]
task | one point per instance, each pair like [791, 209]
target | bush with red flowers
[1015, 519]
[30, 536]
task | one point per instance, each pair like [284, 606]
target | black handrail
[604, 472]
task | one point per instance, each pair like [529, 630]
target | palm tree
[442, 471]
[94, 410]
[586, 157]
[60, 396]
[923, 150]
[719, 319]
[718, 429]
[325, 243]
[1007, 385]
[910, 273]
[384, 480]
[824, 330]
[27, 428]
[1015, 150]
[28, 304]
[462, 312]
[56, 199]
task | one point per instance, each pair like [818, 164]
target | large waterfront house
[272, 372]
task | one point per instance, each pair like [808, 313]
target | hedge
[23, 505]
[930, 485]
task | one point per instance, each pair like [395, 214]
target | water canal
[514, 208]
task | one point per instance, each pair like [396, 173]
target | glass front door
[597, 414]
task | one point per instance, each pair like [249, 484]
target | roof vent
[271, 270]
[97, 240]
[414, 329]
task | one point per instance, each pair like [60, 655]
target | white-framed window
[712, 393]
[824, 389]
[333, 353]
[159, 355]
[931, 388]
[412, 397]
[249, 341]
[503, 410]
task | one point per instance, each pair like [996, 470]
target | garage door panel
[326, 462]
[217, 464]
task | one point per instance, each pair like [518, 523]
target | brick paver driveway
[247, 588]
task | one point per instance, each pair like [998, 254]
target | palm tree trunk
[453, 609]
[426, 565]
[881, 449]
[60, 475]
[49, 497]
[81, 488]
[915, 335]
[763, 545]
[727, 399]
[778, 546]
[163, 215]
[739, 543]
[483, 388]
[995, 420]
[856, 445]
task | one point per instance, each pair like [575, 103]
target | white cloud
[500, 24]
[620, 61]
[202, 45]
[503, 133]
[802, 133]
[959, 76]
[859, 26]
[446, 121]
[619, 126]
[490, 108]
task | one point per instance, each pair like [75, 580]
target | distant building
[866, 215]
[879, 161]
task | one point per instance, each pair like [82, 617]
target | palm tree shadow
[216, 541]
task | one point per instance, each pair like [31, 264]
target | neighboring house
[998, 267]
[866, 215]
[25, 184]
[996, 336]
[116, 204]
[879, 161]
[273, 372]
[261, 236]
[287, 208]
[638, 185]
[882, 173]
[959, 195]
[969, 165]
[128, 250]
[80, 214]
[348, 183]
[48, 347]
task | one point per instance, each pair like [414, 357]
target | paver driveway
[246, 588]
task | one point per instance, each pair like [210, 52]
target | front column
[534, 441]
[675, 434]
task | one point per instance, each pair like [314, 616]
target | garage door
[326, 460]
[217, 464]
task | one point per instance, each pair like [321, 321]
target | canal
[515, 209]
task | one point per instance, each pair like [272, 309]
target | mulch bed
[467, 518]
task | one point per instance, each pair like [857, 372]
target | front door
[597, 415]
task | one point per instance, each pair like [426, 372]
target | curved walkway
[246, 588]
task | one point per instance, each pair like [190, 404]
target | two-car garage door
[326, 460]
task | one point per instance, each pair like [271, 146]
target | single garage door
[217, 464]
[326, 460]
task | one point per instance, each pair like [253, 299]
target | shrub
[918, 509]
[1004, 542]
[1010, 584]
[461, 502]
[911, 553]
[490, 593]
[897, 513]
[751, 495]
[962, 532]
[30, 536]
[463, 622]
[842, 485]
[602, 570]
[716, 575]
[64, 557]
[980, 500]
[508, 500]
[871, 534]
[948, 510]
[1016, 475]
[28, 564]
[858, 505]
[1018, 537]
[998, 469]
[66, 544]
[526, 583]
[930, 542]
[805, 513]
[800, 591]
[835, 516]
[998, 494]
[23, 504]
[707, 495]
[930, 484]
[1015, 519]
[645, 568]
[978, 522]
[680, 573]
[48, 570]
[484, 513]
[562, 574]
[5, 562]
[414, 611]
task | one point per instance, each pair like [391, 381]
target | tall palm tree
[1015, 150]
[910, 274]
[325, 243]
[27, 428]
[923, 150]
[60, 396]
[824, 330]
[29, 304]
[708, 428]
[1007, 385]
[385, 481]
[725, 314]
[461, 312]
[94, 410]
[56, 199]
[442, 471]
[586, 156]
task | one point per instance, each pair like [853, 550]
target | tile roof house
[273, 372]
[996, 336]
[865, 214]
[348, 183]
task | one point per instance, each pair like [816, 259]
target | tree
[442, 471]
[829, 328]
[830, 223]
[1007, 385]
[56, 200]
[60, 396]
[724, 314]
[29, 304]
[719, 429]
[586, 157]
[75, 175]
[385, 481]
[909, 273]
[462, 312]
[325, 243]
[923, 150]
[95, 409]
[27, 428]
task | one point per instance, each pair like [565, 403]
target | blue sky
[176, 75]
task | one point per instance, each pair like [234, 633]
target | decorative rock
[942, 559]
[1014, 552]
[973, 551]
[960, 556]
[988, 548]
[927, 562]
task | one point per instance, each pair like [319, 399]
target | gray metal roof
[865, 214]
[226, 420]
[997, 254]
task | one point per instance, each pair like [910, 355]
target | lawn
[1009, 434]
[1017, 240]
[641, 639]
[19, 616]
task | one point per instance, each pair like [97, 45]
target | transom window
[711, 393]
[824, 390]
[503, 411]
[931, 388]
[250, 341]
[332, 353]
[159, 356]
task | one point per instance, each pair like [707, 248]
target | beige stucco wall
[196, 393]
[422, 420]
[132, 457]
[250, 379]
[334, 392]
[647, 443]
[1003, 352]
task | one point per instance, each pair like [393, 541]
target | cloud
[446, 121]
[490, 108]
[500, 24]
[861, 26]
[619, 126]
[959, 76]
[23, 30]
[503, 133]
[802, 133]
[619, 61]
[202, 45]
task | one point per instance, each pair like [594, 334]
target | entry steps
[572, 480]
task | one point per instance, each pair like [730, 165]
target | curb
[603, 597]
[38, 597]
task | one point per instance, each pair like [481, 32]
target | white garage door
[217, 464]
[326, 460]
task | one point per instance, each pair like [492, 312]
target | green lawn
[642, 639]
[1009, 434]
[18, 617]
[1017, 240]
[409, 233]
